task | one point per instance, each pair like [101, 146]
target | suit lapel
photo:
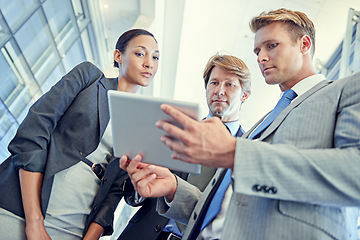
[193, 228]
[275, 124]
[104, 85]
[247, 134]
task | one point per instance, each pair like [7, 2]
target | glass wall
[40, 40]
[346, 58]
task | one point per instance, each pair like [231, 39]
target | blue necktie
[284, 101]
[215, 205]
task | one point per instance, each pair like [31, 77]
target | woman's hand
[149, 180]
[31, 183]
[35, 229]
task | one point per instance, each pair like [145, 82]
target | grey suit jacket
[61, 128]
[301, 179]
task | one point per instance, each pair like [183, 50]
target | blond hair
[231, 64]
[299, 24]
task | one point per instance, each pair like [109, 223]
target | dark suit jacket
[147, 224]
[61, 128]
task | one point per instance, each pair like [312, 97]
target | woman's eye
[156, 58]
[139, 54]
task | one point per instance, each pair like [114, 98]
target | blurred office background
[41, 40]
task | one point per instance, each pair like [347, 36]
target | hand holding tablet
[133, 119]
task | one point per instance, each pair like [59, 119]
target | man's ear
[306, 44]
[117, 56]
[245, 96]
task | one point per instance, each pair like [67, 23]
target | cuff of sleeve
[105, 214]
[33, 161]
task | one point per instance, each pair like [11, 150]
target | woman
[49, 181]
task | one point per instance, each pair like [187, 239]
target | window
[40, 40]
[17, 11]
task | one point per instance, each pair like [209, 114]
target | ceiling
[189, 32]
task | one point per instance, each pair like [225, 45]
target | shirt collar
[232, 126]
[307, 83]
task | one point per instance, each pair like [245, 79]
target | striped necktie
[284, 101]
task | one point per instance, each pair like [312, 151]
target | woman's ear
[117, 56]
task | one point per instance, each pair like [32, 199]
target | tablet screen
[133, 119]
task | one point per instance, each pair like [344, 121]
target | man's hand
[208, 142]
[149, 180]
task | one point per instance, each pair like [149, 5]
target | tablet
[133, 119]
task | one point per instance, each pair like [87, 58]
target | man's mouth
[219, 101]
[267, 69]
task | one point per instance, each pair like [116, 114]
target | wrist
[34, 214]
[227, 157]
[36, 218]
[170, 197]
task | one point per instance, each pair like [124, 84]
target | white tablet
[133, 119]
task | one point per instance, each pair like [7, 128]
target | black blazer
[61, 128]
[147, 224]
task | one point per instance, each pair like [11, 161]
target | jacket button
[195, 215]
[273, 190]
[104, 180]
[158, 228]
[256, 188]
[95, 208]
[213, 181]
[265, 189]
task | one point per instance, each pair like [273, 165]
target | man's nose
[262, 57]
[220, 89]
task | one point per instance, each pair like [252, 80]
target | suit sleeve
[185, 199]
[29, 146]
[103, 213]
[321, 168]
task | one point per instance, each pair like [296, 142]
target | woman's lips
[146, 74]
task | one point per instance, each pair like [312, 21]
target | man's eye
[273, 45]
